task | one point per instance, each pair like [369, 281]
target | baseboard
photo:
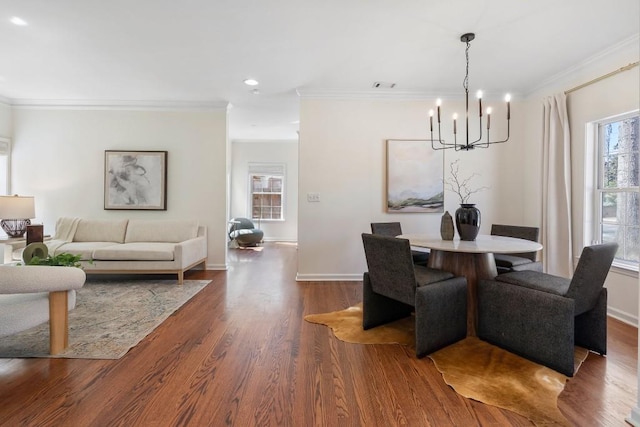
[217, 267]
[328, 277]
[622, 316]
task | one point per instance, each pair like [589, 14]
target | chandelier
[440, 144]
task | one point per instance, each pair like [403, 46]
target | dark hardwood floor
[239, 353]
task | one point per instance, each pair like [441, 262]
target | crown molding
[263, 141]
[630, 42]
[5, 101]
[369, 94]
[387, 94]
[70, 104]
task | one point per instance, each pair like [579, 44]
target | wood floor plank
[240, 354]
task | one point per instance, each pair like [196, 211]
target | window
[617, 217]
[267, 191]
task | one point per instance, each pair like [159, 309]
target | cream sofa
[132, 245]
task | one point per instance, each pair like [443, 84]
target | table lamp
[16, 213]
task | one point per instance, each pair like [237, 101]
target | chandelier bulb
[507, 98]
[479, 94]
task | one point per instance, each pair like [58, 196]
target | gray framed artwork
[414, 177]
[135, 180]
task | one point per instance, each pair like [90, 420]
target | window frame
[597, 134]
[267, 171]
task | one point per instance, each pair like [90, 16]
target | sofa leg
[58, 321]
[180, 277]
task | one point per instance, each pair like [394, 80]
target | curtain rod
[597, 79]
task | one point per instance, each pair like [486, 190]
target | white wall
[343, 158]
[608, 97]
[5, 121]
[284, 152]
[6, 132]
[58, 157]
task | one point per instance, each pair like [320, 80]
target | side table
[10, 248]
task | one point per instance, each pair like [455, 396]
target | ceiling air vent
[383, 85]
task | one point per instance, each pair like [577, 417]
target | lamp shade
[17, 207]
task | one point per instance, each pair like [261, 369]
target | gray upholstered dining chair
[542, 317]
[506, 263]
[394, 287]
[393, 229]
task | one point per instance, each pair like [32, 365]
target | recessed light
[18, 21]
[251, 82]
[255, 91]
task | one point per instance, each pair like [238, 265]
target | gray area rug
[110, 317]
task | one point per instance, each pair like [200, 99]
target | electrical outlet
[313, 197]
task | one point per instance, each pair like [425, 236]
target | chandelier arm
[439, 140]
[504, 140]
[438, 148]
[442, 142]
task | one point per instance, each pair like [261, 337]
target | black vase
[468, 221]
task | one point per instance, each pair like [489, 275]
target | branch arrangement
[461, 186]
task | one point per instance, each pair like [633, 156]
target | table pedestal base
[474, 267]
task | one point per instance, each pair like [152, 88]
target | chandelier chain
[465, 83]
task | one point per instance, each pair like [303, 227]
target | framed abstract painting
[414, 177]
[135, 180]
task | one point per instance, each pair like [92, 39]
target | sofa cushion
[139, 251]
[84, 249]
[174, 231]
[98, 230]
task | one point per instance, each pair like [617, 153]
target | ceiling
[198, 52]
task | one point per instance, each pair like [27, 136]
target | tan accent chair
[31, 295]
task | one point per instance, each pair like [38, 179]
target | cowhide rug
[473, 368]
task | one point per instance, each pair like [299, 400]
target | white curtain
[557, 254]
[4, 146]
